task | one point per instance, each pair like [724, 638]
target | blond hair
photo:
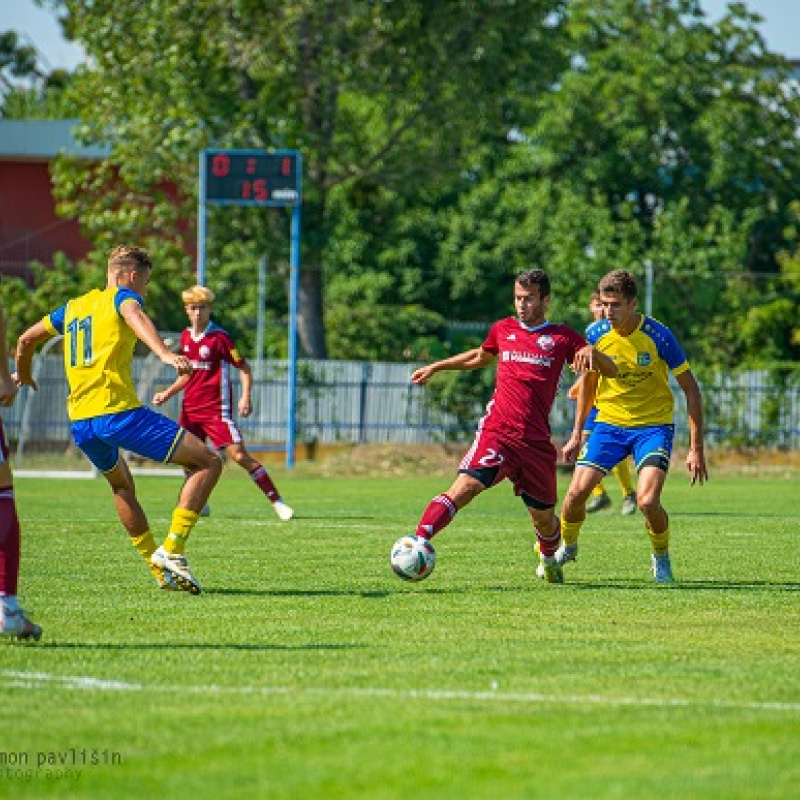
[198, 295]
[124, 257]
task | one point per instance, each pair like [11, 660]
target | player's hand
[584, 360]
[24, 380]
[8, 391]
[421, 376]
[159, 398]
[569, 452]
[181, 363]
[696, 464]
[245, 407]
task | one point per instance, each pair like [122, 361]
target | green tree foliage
[53, 287]
[666, 140]
[448, 146]
[27, 90]
[386, 94]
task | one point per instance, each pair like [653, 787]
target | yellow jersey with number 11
[98, 352]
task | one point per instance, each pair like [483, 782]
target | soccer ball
[413, 558]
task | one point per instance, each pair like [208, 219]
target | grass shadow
[704, 585]
[111, 646]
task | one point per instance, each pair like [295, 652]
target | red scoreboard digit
[251, 177]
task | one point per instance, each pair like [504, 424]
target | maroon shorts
[221, 431]
[530, 466]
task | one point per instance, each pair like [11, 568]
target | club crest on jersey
[643, 359]
[204, 351]
[546, 342]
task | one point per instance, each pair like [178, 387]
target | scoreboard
[251, 177]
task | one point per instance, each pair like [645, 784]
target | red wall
[29, 227]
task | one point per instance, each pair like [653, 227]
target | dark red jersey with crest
[530, 362]
[209, 393]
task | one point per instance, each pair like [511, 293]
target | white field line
[13, 679]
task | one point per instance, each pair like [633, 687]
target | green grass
[307, 670]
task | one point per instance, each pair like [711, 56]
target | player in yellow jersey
[599, 498]
[100, 330]
[634, 417]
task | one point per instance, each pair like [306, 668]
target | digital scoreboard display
[251, 177]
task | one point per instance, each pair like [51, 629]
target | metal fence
[360, 402]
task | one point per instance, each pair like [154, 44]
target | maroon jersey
[209, 392]
[530, 362]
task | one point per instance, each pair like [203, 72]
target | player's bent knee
[577, 496]
[648, 504]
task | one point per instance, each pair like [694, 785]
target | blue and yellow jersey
[640, 394]
[98, 352]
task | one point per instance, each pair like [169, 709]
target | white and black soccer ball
[413, 558]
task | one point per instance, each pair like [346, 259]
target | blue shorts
[140, 430]
[650, 446]
[589, 422]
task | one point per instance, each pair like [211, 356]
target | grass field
[307, 670]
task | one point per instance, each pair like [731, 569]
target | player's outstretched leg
[261, 478]
[547, 527]
[203, 468]
[134, 520]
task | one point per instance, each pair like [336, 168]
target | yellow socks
[660, 541]
[598, 491]
[622, 472]
[570, 531]
[183, 520]
[145, 545]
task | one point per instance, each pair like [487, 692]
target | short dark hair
[619, 281]
[535, 277]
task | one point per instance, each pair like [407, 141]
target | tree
[391, 94]
[666, 140]
[27, 89]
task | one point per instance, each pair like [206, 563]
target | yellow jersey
[640, 394]
[98, 352]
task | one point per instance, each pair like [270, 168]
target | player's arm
[26, 346]
[587, 389]
[469, 359]
[695, 458]
[176, 388]
[144, 329]
[245, 401]
[8, 389]
[572, 393]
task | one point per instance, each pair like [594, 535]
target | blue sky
[781, 27]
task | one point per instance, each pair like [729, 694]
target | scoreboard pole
[258, 178]
[294, 295]
[201, 223]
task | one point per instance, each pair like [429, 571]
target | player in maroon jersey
[513, 437]
[13, 622]
[207, 409]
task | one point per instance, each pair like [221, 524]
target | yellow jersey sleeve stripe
[49, 327]
[679, 370]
